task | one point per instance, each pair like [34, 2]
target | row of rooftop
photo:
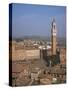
[32, 44]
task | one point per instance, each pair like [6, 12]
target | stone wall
[62, 55]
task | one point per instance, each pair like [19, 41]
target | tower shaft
[53, 37]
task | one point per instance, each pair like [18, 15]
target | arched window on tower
[54, 26]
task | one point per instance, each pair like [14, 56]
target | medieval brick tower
[53, 37]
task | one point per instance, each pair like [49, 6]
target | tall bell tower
[53, 37]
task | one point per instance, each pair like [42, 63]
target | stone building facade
[24, 53]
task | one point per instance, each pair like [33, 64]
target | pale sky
[35, 20]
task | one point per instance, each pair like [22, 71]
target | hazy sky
[36, 20]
